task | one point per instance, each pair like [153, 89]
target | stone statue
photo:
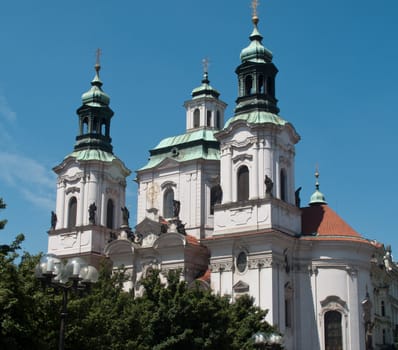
[125, 216]
[268, 186]
[217, 194]
[369, 336]
[367, 318]
[53, 220]
[176, 208]
[297, 197]
[91, 213]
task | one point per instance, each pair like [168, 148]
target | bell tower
[91, 183]
[257, 151]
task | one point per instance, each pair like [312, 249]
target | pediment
[166, 164]
[241, 287]
[170, 239]
[148, 226]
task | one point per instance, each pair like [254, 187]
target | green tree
[170, 316]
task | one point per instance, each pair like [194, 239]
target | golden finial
[97, 60]
[255, 4]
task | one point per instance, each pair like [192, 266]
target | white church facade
[219, 203]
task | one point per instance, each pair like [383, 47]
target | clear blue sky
[337, 84]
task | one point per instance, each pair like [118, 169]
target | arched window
[215, 197]
[103, 128]
[218, 120]
[333, 331]
[270, 87]
[248, 85]
[109, 213]
[85, 126]
[72, 211]
[260, 84]
[208, 118]
[283, 184]
[196, 118]
[168, 209]
[243, 183]
[95, 127]
[383, 308]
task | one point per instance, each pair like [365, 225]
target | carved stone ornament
[175, 267]
[242, 157]
[221, 266]
[72, 190]
[264, 262]
[71, 178]
[112, 191]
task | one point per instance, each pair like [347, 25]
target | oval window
[241, 261]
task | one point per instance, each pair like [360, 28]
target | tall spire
[95, 116]
[256, 74]
[317, 197]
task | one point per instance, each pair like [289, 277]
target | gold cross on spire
[97, 59]
[255, 4]
[205, 63]
[255, 19]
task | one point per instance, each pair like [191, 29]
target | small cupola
[317, 197]
[205, 110]
[94, 117]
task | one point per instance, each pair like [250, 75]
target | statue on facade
[387, 258]
[91, 213]
[367, 318]
[217, 194]
[269, 184]
[53, 220]
[297, 197]
[125, 216]
[176, 208]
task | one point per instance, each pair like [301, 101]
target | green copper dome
[256, 52]
[317, 197]
[205, 89]
[257, 117]
[95, 97]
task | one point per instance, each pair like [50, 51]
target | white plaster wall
[191, 185]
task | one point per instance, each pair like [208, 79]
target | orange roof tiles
[324, 221]
[191, 240]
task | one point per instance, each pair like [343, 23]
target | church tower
[258, 219]
[185, 168]
[257, 152]
[91, 184]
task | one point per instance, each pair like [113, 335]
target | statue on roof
[269, 184]
[297, 197]
[91, 213]
[176, 208]
[125, 216]
[53, 220]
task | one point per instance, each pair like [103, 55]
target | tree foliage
[167, 317]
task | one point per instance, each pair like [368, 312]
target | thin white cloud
[6, 111]
[33, 180]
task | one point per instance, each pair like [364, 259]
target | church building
[219, 203]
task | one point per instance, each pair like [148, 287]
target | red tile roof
[192, 240]
[321, 220]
